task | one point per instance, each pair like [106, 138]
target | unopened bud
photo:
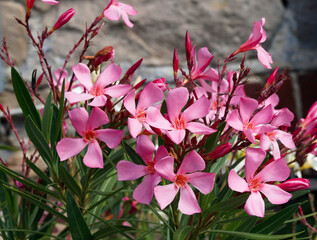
[29, 5]
[63, 19]
[161, 83]
[271, 78]
[175, 63]
[188, 47]
[220, 151]
[294, 184]
[134, 67]
[2, 109]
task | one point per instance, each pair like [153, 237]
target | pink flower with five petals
[256, 183]
[99, 89]
[128, 171]
[203, 181]
[85, 126]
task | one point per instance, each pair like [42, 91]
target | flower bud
[294, 184]
[29, 5]
[188, 47]
[175, 63]
[63, 19]
[161, 83]
[2, 109]
[271, 80]
[220, 151]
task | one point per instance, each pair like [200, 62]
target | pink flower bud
[188, 48]
[29, 5]
[63, 19]
[134, 67]
[175, 63]
[2, 109]
[220, 151]
[161, 83]
[272, 78]
[294, 184]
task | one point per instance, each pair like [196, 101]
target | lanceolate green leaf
[24, 98]
[182, 232]
[77, 225]
[132, 154]
[38, 140]
[244, 235]
[47, 118]
[39, 172]
[69, 181]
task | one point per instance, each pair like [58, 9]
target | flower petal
[150, 95]
[250, 135]
[79, 119]
[165, 194]
[98, 101]
[188, 203]
[128, 171]
[255, 205]
[135, 127]
[176, 135]
[155, 119]
[264, 57]
[69, 147]
[275, 171]
[126, 19]
[144, 192]
[145, 148]
[165, 168]
[192, 162]
[265, 142]
[285, 138]
[112, 137]
[110, 75]
[275, 194]
[254, 158]
[198, 109]
[93, 157]
[247, 108]
[118, 90]
[234, 120]
[237, 183]
[73, 97]
[175, 101]
[199, 128]
[112, 12]
[203, 181]
[161, 153]
[204, 59]
[97, 118]
[263, 117]
[83, 75]
[129, 102]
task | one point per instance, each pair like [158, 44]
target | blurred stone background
[160, 26]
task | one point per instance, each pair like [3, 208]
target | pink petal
[191, 163]
[275, 194]
[275, 171]
[61, 75]
[129, 171]
[50, 2]
[276, 150]
[199, 128]
[98, 101]
[112, 13]
[254, 158]
[77, 97]
[204, 59]
[69, 147]
[129, 102]
[284, 117]
[97, 118]
[118, 90]
[150, 95]
[135, 127]
[126, 19]
[145, 148]
[203, 181]
[188, 203]
[265, 142]
[254, 38]
[237, 183]
[112, 137]
[79, 119]
[175, 101]
[165, 168]
[285, 138]
[263, 117]
[234, 120]
[110, 75]
[255, 205]
[247, 108]
[161, 153]
[144, 192]
[155, 119]
[128, 9]
[93, 158]
[249, 134]
[198, 109]
[176, 135]
[165, 194]
[264, 57]
[83, 75]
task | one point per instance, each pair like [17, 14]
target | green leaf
[77, 225]
[39, 172]
[47, 118]
[59, 122]
[32, 232]
[132, 154]
[38, 140]
[108, 231]
[35, 201]
[24, 98]
[8, 148]
[69, 181]
[255, 235]
[246, 226]
[182, 232]
[270, 224]
[213, 138]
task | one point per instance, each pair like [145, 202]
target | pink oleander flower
[50, 2]
[242, 119]
[149, 96]
[63, 19]
[178, 121]
[294, 184]
[256, 183]
[99, 89]
[128, 171]
[310, 121]
[116, 9]
[200, 65]
[269, 136]
[192, 164]
[85, 126]
[257, 37]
